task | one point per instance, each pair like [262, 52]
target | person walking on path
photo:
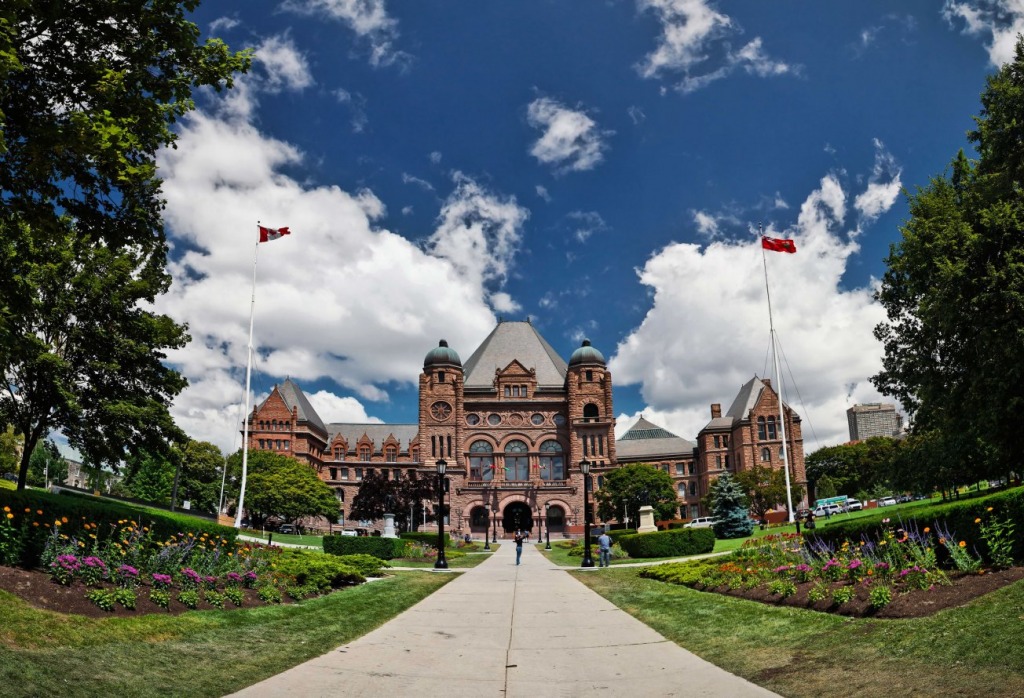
[519, 545]
[604, 546]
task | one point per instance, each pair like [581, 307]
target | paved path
[499, 630]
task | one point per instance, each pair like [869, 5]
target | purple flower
[882, 566]
[803, 567]
[161, 581]
[233, 577]
[782, 568]
[127, 571]
[94, 562]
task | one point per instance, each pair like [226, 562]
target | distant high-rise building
[874, 419]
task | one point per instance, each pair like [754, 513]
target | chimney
[716, 410]
[767, 381]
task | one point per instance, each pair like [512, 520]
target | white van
[701, 522]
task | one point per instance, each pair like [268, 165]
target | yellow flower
[64, 519]
[927, 530]
[989, 509]
[10, 515]
[963, 544]
[7, 510]
[39, 511]
[35, 523]
[27, 510]
[57, 522]
[977, 521]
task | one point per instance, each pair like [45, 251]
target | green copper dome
[442, 356]
[586, 354]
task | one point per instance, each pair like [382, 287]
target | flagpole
[248, 383]
[778, 390]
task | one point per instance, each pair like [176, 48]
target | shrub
[102, 598]
[214, 598]
[269, 594]
[673, 543]
[160, 597]
[384, 548]
[881, 595]
[126, 597]
[321, 571]
[841, 595]
[366, 565]
[235, 595]
[189, 597]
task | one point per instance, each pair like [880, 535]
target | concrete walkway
[506, 631]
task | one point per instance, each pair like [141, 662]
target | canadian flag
[778, 244]
[268, 234]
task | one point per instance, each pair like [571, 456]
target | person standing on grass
[604, 546]
[519, 545]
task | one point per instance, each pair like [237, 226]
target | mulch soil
[914, 603]
[37, 589]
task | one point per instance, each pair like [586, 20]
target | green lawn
[290, 539]
[200, 653]
[961, 652]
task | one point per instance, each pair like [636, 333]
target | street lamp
[442, 563]
[585, 468]
[494, 526]
[547, 526]
[487, 525]
[540, 525]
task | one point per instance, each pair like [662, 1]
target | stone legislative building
[513, 422]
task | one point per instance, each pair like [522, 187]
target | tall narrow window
[761, 433]
[449, 446]
[440, 376]
[364, 453]
[481, 461]
[771, 428]
[717, 442]
[552, 463]
[590, 376]
[517, 463]
[433, 446]
[766, 455]
[391, 454]
[508, 391]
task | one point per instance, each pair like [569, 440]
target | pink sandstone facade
[513, 423]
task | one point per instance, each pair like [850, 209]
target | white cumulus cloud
[571, 140]
[694, 44]
[707, 331]
[998, 20]
[368, 19]
[884, 185]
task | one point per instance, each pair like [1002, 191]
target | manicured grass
[208, 653]
[560, 556]
[965, 652]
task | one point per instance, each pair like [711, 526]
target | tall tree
[954, 289]
[89, 91]
[285, 487]
[765, 488]
[730, 507]
[10, 450]
[201, 469]
[404, 498]
[46, 465]
[627, 488]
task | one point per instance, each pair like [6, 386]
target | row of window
[516, 461]
[275, 444]
[680, 468]
[593, 444]
[343, 473]
[683, 488]
[494, 419]
[766, 428]
[721, 441]
[516, 391]
[273, 425]
[365, 453]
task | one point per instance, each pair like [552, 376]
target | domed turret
[586, 354]
[443, 355]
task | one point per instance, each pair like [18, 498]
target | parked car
[701, 522]
[10, 476]
[853, 504]
[347, 532]
[827, 510]
[886, 501]
[288, 528]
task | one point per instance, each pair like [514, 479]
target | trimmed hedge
[617, 534]
[384, 548]
[368, 565]
[956, 516]
[324, 572]
[31, 528]
[426, 537]
[674, 543]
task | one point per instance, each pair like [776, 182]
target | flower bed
[867, 575]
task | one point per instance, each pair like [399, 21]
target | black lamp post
[487, 525]
[540, 525]
[494, 526]
[442, 563]
[585, 468]
[547, 526]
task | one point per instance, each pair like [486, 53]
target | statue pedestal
[646, 520]
[389, 526]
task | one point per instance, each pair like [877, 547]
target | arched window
[766, 455]
[590, 412]
[761, 434]
[771, 428]
[682, 488]
[481, 461]
[552, 464]
[517, 463]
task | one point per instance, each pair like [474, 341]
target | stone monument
[646, 520]
[389, 526]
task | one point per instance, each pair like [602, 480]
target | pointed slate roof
[647, 440]
[746, 399]
[514, 341]
[294, 398]
[378, 433]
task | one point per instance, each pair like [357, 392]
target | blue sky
[599, 167]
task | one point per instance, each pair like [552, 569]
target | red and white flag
[268, 234]
[778, 244]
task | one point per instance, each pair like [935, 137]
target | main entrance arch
[517, 516]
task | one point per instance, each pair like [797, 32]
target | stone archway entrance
[517, 516]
